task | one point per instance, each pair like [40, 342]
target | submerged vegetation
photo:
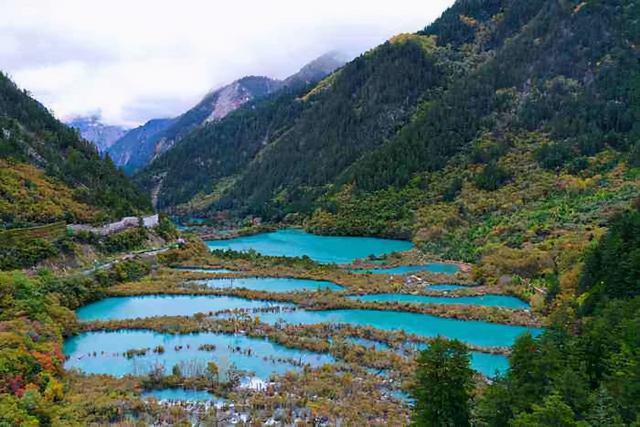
[583, 369]
[502, 138]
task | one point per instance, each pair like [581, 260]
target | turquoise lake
[504, 301]
[470, 331]
[115, 308]
[271, 284]
[489, 364]
[485, 363]
[325, 249]
[180, 394]
[436, 267]
[109, 347]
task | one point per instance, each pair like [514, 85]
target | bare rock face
[93, 130]
[228, 99]
[231, 97]
[317, 69]
[142, 145]
[134, 149]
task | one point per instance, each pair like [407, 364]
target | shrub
[492, 177]
[24, 253]
[125, 240]
[554, 155]
[452, 191]
[166, 229]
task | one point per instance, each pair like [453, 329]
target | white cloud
[133, 60]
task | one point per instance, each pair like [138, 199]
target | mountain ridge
[495, 54]
[93, 130]
[360, 84]
[36, 147]
[132, 153]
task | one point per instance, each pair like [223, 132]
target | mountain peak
[141, 145]
[92, 129]
[230, 97]
[318, 68]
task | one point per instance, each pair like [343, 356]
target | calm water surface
[504, 301]
[271, 284]
[192, 361]
[163, 305]
[181, 394]
[485, 363]
[470, 331]
[325, 249]
[489, 364]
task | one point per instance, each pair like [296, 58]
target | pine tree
[553, 413]
[444, 385]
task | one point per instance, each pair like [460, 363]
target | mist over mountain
[413, 105]
[93, 130]
[143, 144]
[441, 231]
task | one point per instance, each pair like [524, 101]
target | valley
[441, 231]
[184, 319]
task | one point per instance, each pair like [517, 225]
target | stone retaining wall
[150, 221]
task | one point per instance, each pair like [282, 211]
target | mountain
[141, 145]
[325, 128]
[317, 69]
[132, 152]
[103, 136]
[50, 174]
[496, 113]
[136, 147]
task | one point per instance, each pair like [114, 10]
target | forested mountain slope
[583, 371]
[498, 69]
[304, 137]
[93, 130]
[132, 152]
[568, 69]
[135, 148]
[217, 151]
[50, 172]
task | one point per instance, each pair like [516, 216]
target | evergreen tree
[553, 413]
[612, 269]
[604, 410]
[444, 385]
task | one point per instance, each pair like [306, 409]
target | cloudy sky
[132, 60]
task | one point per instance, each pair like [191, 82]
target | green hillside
[505, 133]
[584, 370]
[50, 174]
[563, 70]
[288, 147]
[50, 177]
